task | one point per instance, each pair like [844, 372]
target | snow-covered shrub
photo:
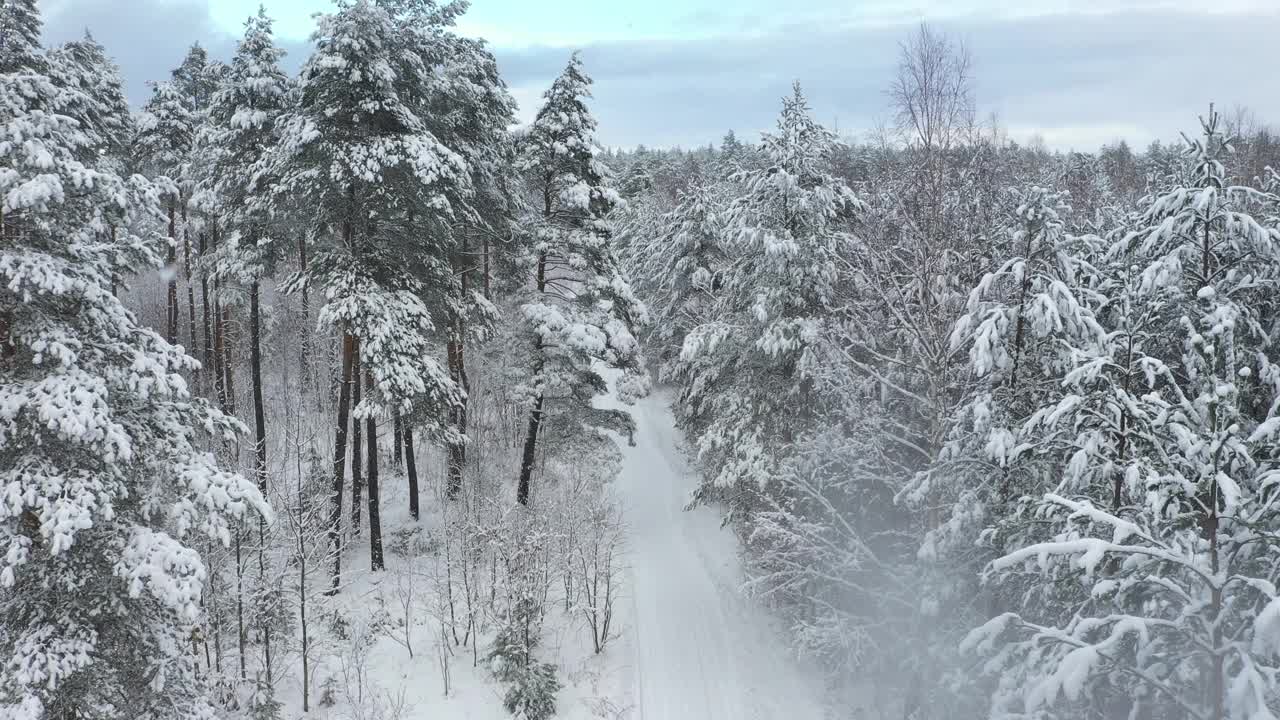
[532, 694]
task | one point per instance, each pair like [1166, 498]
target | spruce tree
[101, 443]
[732, 156]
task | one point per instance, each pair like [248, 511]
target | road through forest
[703, 650]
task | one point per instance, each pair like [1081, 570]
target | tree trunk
[302, 586]
[1211, 522]
[255, 367]
[260, 449]
[7, 347]
[411, 467]
[302, 609]
[227, 351]
[357, 445]
[191, 289]
[458, 373]
[304, 356]
[457, 415]
[487, 294]
[227, 346]
[219, 375]
[340, 457]
[529, 458]
[207, 354]
[219, 339]
[171, 265]
[241, 636]
[397, 428]
[215, 620]
[375, 522]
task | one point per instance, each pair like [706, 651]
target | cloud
[1081, 78]
[1142, 68]
[147, 38]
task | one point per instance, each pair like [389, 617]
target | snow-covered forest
[345, 395]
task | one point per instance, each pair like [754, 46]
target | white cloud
[1081, 137]
[1138, 68]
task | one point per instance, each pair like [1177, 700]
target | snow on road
[703, 651]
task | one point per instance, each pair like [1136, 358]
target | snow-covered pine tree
[166, 132]
[471, 112]
[1162, 520]
[240, 129]
[638, 179]
[196, 79]
[754, 362]
[894, 385]
[241, 121]
[678, 265]
[100, 106]
[101, 444]
[1027, 322]
[765, 294]
[580, 313]
[384, 191]
[732, 156]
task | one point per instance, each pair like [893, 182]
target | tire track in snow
[702, 650]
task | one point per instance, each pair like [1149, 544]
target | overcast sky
[681, 72]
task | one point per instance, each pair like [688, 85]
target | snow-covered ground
[689, 645]
[702, 650]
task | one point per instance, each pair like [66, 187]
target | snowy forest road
[703, 651]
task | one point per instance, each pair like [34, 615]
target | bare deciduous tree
[600, 571]
[932, 94]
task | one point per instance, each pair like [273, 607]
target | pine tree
[101, 588]
[471, 111]
[100, 106]
[580, 310]
[638, 180]
[755, 361]
[166, 133]
[384, 191]
[241, 127]
[732, 156]
[1162, 517]
[678, 265]
[196, 80]
[1027, 323]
